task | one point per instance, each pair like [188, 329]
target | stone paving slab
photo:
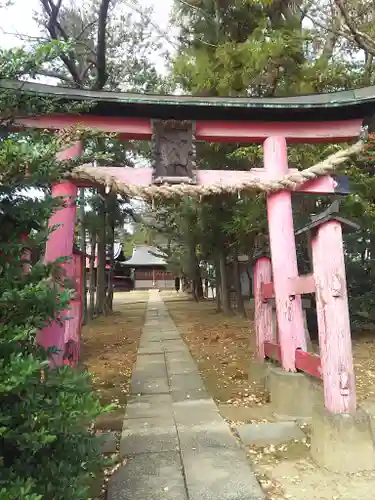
[150, 344]
[156, 333]
[142, 384]
[148, 405]
[155, 400]
[150, 424]
[195, 406]
[219, 475]
[155, 435]
[145, 412]
[149, 359]
[183, 395]
[151, 366]
[181, 367]
[193, 418]
[206, 436]
[153, 476]
[179, 357]
[183, 382]
[172, 346]
[177, 444]
[151, 350]
[146, 372]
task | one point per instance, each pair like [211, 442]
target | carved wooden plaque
[173, 152]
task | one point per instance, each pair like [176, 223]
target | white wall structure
[150, 269]
[165, 284]
[158, 284]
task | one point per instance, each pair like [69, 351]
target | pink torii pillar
[60, 244]
[333, 318]
[290, 321]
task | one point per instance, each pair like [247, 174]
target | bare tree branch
[305, 9]
[52, 26]
[97, 59]
[53, 12]
[330, 28]
[363, 40]
[331, 39]
[88, 26]
[90, 65]
[154, 25]
[23, 36]
[101, 46]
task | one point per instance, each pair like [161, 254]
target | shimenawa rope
[289, 182]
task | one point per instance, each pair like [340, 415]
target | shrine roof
[341, 105]
[118, 253]
[145, 256]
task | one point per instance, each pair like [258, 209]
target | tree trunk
[92, 275]
[101, 269]
[198, 280]
[372, 255]
[194, 291]
[195, 274]
[224, 285]
[251, 286]
[218, 287]
[238, 287]
[111, 205]
[82, 237]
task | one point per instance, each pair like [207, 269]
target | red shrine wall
[144, 279]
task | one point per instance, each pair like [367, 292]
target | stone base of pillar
[258, 374]
[293, 395]
[342, 443]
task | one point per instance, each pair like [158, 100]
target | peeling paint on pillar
[283, 255]
[333, 319]
[263, 309]
[60, 244]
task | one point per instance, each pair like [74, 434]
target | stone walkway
[178, 446]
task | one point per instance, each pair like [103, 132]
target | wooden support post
[333, 319]
[263, 308]
[283, 255]
[73, 326]
[60, 244]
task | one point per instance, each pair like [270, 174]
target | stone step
[264, 434]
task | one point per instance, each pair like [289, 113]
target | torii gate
[174, 123]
